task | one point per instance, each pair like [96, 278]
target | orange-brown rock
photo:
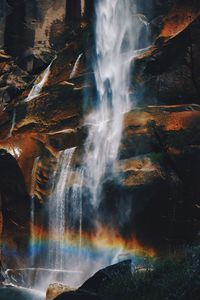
[56, 289]
[182, 14]
[58, 108]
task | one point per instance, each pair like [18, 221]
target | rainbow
[103, 242]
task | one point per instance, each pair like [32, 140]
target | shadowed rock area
[15, 210]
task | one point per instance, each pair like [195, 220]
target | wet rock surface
[159, 152]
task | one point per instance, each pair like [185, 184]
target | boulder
[55, 289]
[105, 276]
[94, 287]
[79, 295]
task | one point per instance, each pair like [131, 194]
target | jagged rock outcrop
[172, 63]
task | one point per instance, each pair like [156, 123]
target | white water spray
[114, 42]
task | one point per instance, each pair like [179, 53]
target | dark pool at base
[12, 293]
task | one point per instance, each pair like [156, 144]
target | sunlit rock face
[54, 290]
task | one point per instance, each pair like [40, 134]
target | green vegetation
[171, 278]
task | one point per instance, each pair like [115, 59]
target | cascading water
[114, 42]
[54, 261]
[57, 210]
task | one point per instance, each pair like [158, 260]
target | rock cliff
[158, 169]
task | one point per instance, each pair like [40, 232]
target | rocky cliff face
[158, 167]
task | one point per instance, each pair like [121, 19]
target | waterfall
[114, 42]
[57, 210]
[57, 261]
[36, 89]
[77, 191]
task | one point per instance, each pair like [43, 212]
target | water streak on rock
[76, 65]
[37, 88]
